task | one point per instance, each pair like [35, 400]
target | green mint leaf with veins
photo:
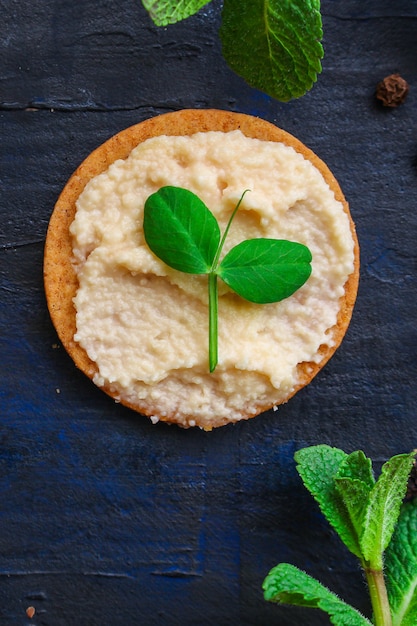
[164, 12]
[401, 568]
[357, 466]
[383, 509]
[318, 467]
[354, 481]
[286, 584]
[273, 44]
[184, 234]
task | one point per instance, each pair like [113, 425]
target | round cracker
[60, 278]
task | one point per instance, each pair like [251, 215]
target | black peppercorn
[392, 91]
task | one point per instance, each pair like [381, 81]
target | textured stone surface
[106, 519]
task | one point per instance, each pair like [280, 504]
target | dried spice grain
[392, 90]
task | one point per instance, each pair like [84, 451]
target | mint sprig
[364, 512]
[184, 234]
[274, 44]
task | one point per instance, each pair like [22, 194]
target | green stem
[226, 232]
[213, 295]
[379, 597]
[213, 320]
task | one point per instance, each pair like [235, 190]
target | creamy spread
[145, 325]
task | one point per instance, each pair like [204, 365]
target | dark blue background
[104, 518]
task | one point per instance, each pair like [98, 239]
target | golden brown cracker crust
[60, 278]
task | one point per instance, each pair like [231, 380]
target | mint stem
[379, 597]
[213, 320]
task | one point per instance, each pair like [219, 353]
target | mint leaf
[384, 507]
[357, 466]
[401, 568]
[273, 44]
[354, 482]
[164, 12]
[180, 230]
[318, 467]
[287, 584]
[266, 270]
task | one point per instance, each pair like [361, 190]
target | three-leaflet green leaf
[184, 234]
